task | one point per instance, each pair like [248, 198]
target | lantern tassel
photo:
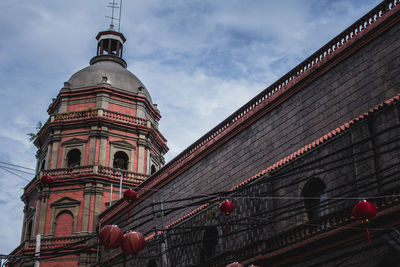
[368, 235]
[226, 227]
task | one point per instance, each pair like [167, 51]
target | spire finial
[113, 6]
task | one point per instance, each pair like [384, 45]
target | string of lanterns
[132, 242]
[111, 236]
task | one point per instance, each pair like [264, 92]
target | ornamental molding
[122, 144]
[66, 202]
[74, 141]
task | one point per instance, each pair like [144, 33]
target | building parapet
[90, 171]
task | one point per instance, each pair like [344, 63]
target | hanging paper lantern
[129, 195]
[132, 242]
[46, 180]
[110, 236]
[235, 264]
[226, 207]
[364, 211]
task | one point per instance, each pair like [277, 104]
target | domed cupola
[104, 114]
[110, 47]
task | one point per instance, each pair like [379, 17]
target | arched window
[64, 224]
[121, 160]
[29, 229]
[153, 169]
[152, 263]
[210, 242]
[315, 198]
[73, 158]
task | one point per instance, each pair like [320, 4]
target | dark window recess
[120, 160]
[73, 158]
[315, 198]
[153, 169]
[210, 242]
[29, 231]
[152, 263]
[42, 165]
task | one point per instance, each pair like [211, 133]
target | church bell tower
[102, 130]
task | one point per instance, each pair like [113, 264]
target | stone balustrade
[113, 173]
[98, 171]
[96, 113]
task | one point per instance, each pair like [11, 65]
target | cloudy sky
[200, 61]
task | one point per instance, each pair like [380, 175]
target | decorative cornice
[65, 201]
[122, 144]
[74, 141]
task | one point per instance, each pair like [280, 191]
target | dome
[110, 70]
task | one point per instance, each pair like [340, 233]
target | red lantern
[46, 180]
[129, 195]
[364, 211]
[226, 207]
[235, 264]
[110, 236]
[132, 242]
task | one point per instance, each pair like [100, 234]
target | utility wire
[1, 167]
[19, 166]
[13, 169]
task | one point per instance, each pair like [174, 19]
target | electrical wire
[14, 165]
[19, 176]
[266, 197]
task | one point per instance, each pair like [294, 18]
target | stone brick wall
[366, 78]
[359, 162]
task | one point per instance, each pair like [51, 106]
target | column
[86, 207]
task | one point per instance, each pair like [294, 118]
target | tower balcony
[97, 114]
[97, 171]
[89, 173]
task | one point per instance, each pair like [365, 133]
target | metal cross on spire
[113, 6]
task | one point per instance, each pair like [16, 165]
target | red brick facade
[96, 133]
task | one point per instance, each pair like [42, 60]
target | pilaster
[55, 145]
[64, 105]
[44, 198]
[103, 145]
[98, 201]
[92, 145]
[142, 146]
[86, 207]
[102, 100]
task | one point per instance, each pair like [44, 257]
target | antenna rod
[119, 21]
[112, 13]
[113, 6]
